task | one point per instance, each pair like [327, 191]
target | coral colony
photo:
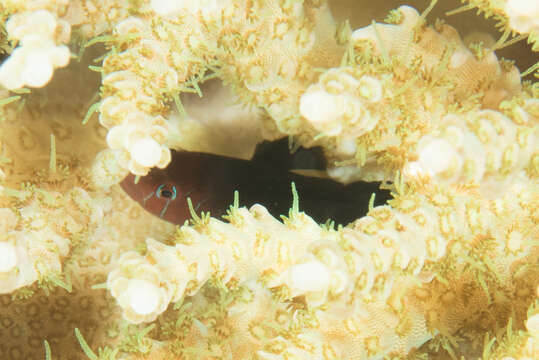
[94, 90]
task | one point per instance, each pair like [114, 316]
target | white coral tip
[339, 281]
[59, 55]
[459, 58]
[413, 169]
[523, 15]
[322, 108]
[137, 169]
[532, 324]
[38, 69]
[146, 152]
[310, 277]
[166, 7]
[370, 88]
[116, 137]
[11, 69]
[437, 156]
[143, 296]
[38, 22]
[165, 158]
[131, 24]
[8, 257]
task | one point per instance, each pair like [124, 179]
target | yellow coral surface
[421, 99]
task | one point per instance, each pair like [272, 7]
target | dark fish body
[210, 181]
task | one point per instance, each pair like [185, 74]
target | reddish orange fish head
[160, 197]
[190, 175]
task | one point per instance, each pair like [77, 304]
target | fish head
[159, 196]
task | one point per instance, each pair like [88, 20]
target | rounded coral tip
[8, 257]
[143, 296]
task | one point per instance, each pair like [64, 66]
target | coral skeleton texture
[92, 90]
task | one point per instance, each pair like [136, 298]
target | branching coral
[514, 15]
[350, 277]
[33, 62]
[446, 268]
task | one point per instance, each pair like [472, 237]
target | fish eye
[166, 191]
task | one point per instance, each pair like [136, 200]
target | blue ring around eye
[160, 188]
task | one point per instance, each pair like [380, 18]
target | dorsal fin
[279, 154]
